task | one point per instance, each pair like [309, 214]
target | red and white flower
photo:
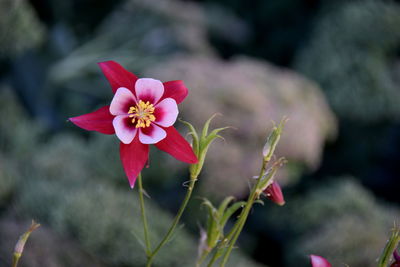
[142, 112]
[318, 261]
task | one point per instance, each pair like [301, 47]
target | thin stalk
[144, 218]
[213, 259]
[236, 229]
[174, 223]
[222, 246]
[15, 261]
[202, 258]
[243, 216]
[390, 247]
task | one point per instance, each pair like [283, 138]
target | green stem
[15, 260]
[175, 222]
[243, 216]
[222, 246]
[202, 258]
[390, 247]
[144, 219]
[213, 259]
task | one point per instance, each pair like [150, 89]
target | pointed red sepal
[274, 193]
[117, 76]
[175, 145]
[318, 261]
[134, 157]
[99, 120]
[176, 90]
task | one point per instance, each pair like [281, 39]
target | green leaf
[213, 228]
[230, 211]
[205, 142]
[273, 139]
[200, 145]
[391, 245]
[207, 125]
[195, 137]
[224, 204]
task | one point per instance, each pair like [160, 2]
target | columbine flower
[318, 261]
[141, 112]
[274, 193]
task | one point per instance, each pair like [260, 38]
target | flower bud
[274, 193]
[19, 247]
[272, 140]
[318, 261]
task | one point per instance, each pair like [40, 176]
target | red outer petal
[99, 120]
[133, 156]
[176, 90]
[117, 76]
[175, 145]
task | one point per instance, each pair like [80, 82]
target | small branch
[174, 223]
[143, 214]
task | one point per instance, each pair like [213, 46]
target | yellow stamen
[142, 114]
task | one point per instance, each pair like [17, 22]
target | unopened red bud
[274, 193]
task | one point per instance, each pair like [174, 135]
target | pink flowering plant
[143, 112]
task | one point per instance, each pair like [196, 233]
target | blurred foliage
[340, 220]
[45, 247]
[20, 29]
[270, 94]
[274, 29]
[354, 47]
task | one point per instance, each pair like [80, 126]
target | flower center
[142, 114]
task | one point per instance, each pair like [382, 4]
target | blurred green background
[331, 66]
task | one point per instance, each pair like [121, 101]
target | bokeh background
[331, 66]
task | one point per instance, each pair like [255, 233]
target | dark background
[341, 204]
